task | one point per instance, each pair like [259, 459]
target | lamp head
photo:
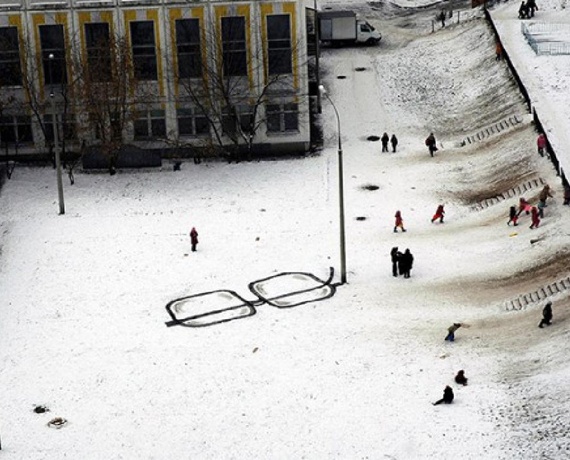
[51, 56]
[322, 90]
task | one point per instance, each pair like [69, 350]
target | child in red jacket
[399, 222]
[439, 213]
[534, 217]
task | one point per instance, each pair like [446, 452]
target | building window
[52, 42]
[65, 125]
[144, 50]
[234, 46]
[188, 48]
[11, 74]
[15, 130]
[192, 123]
[151, 124]
[279, 44]
[282, 118]
[243, 115]
[98, 47]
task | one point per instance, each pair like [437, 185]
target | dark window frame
[279, 48]
[153, 123]
[234, 46]
[16, 129]
[143, 48]
[52, 41]
[98, 50]
[282, 118]
[188, 48]
[192, 123]
[10, 60]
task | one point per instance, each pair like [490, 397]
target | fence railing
[553, 39]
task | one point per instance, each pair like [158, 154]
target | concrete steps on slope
[514, 192]
[541, 294]
[493, 130]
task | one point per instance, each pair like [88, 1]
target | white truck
[344, 28]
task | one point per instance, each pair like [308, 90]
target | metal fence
[552, 39]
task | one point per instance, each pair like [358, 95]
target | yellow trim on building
[292, 10]
[152, 15]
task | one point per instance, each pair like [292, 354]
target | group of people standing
[526, 10]
[387, 139]
[401, 262]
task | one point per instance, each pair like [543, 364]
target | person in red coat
[399, 222]
[439, 213]
[193, 238]
[541, 144]
[534, 217]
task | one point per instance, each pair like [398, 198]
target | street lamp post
[323, 91]
[56, 140]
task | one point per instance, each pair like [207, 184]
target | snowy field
[82, 296]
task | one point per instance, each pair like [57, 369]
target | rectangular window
[243, 115]
[53, 54]
[11, 73]
[234, 46]
[188, 48]
[98, 47]
[15, 129]
[191, 123]
[144, 50]
[282, 118]
[65, 127]
[279, 44]
[150, 125]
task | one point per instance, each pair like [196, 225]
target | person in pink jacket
[541, 144]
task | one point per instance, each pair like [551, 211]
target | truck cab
[365, 33]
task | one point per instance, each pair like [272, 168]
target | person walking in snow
[394, 142]
[541, 144]
[439, 213]
[385, 139]
[399, 222]
[534, 217]
[407, 262]
[498, 51]
[447, 396]
[513, 216]
[395, 255]
[430, 142]
[450, 337]
[544, 194]
[460, 378]
[546, 315]
[523, 11]
[193, 238]
[530, 7]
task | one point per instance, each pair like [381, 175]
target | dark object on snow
[546, 315]
[407, 260]
[460, 378]
[451, 332]
[447, 396]
[523, 11]
[395, 255]
[430, 142]
[394, 142]
[193, 238]
[40, 409]
[385, 139]
[176, 166]
[513, 216]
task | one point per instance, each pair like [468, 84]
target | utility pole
[56, 141]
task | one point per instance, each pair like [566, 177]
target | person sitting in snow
[451, 332]
[447, 396]
[460, 378]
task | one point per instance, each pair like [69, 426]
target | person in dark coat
[451, 332]
[401, 264]
[530, 7]
[546, 315]
[394, 142]
[460, 378]
[193, 238]
[385, 139]
[407, 262]
[566, 196]
[523, 11]
[395, 254]
[513, 216]
[430, 142]
[447, 396]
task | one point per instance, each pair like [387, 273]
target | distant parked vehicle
[344, 28]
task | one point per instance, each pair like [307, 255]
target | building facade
[203, 77]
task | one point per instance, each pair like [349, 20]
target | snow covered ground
[83, 296]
